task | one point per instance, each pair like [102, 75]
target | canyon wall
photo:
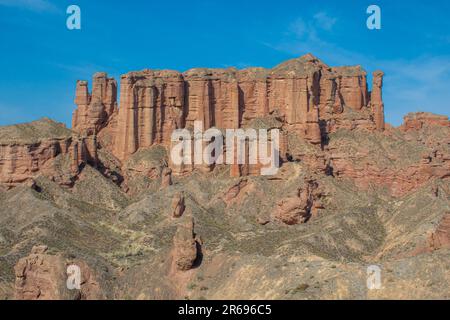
[43, 147]
[94, 110]
[311, 99]
[302, 97]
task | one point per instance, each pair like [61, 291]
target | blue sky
[41, 59]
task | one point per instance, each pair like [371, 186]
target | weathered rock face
[298, 208]
[441, 237]
[352, 86]
[417, 121]
[151, 108]
[27, 156]
[41, 276]
[398, 181]
[432, 163]
[38, 276]
[308, 95]
[178, 206]
[377, 100]
[94, 110]
[20, 162]
[185, 246]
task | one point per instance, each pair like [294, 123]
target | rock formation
[166, 177]
[18, 162]
[308, 95]
[30, 154]
[361, 168]
[42, 276]
[38, 276]
[352, 191]
[377, 100]
[441, 237]
[297, 209]
[308, 100]
[185, 246]
[419, 120]
[178, 206]
[94, 110]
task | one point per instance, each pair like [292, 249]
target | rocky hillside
[351, 192]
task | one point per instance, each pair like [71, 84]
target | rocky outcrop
[441, 237]
[94, 110]
[83, 150]
[377, 100]
[20, 162]
[310, 97]
[42, 147]
[150, 109]
[42, 276]
[419, 120]
[368, 173]
[185, 246]
[297, 209]
[178, 205]
[39, 276]
[166, 177]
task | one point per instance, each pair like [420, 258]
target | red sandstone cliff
[94, 110]
[308, 99]
[42, 147]
[308, 95]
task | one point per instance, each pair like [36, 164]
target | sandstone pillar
[377, 100]
[126, 139]
[93, 111]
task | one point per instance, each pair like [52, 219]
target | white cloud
[305, 36]
[308, 29]
[324, 21]
[33, 5]
[299, 28]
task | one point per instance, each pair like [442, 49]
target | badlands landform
[352, 192]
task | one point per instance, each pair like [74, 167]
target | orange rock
[185, 246]
[178, 206]
[377, 100]
[41, 276]
[166, 177]
[416, 121]
[93, 111]
[298, 208]
[441, 237]
[400, 181]
[306, 93]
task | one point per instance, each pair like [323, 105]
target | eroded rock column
[377, 100]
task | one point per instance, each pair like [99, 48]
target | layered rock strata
[42, 276]
[185, 246]
[21, 159]
[308, 96]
